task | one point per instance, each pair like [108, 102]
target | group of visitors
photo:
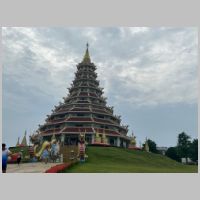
[52, 152]
[48, 153]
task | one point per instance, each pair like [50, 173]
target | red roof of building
[80, 109]
[83, 94]
[55, 121]
[110, 132]
[99, 110]
[51, 131]
[77, 129]
[80, 119]
[103, 121]
[93, 94]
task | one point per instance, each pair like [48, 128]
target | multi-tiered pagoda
[84, 110]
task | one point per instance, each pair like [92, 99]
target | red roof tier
[79, 119]
[99, 110]
[80, 109]
[103, 121]
[110, 132]
[77, 129]
[93, 94]
[83, 94]
[52, 131]
[55, 121]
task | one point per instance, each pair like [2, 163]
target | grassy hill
[111, 159]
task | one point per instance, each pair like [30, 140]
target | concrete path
[38, 167]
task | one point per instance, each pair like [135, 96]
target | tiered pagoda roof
[84, 109]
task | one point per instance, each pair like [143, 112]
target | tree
[152, 146]
[183, 145]
[193, 150]
[172, 153]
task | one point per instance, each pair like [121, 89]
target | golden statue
[132, 141]
[97, 138]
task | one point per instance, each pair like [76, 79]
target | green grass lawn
[111, 159]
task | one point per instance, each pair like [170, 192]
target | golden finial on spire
[86, 58]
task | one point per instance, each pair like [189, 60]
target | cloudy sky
[149, 75]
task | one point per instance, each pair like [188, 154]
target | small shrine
[146, 146]
[132, 143]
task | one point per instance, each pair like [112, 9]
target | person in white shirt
[5, 154]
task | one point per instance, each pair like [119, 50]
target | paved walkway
[29, 167]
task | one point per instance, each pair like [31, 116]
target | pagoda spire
[17, 142]
[24, 142]
[86, 58]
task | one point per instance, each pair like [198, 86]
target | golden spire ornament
[86, 58]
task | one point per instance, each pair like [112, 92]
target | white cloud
[150, 66]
